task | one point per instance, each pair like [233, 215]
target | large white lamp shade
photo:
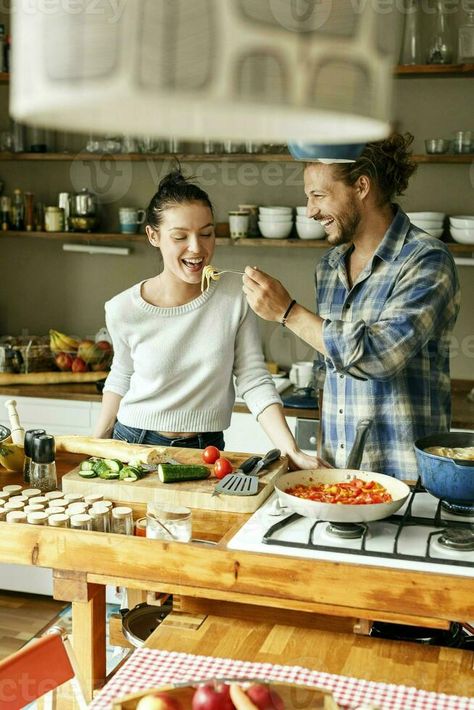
[264, 70]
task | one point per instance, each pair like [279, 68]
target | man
[387, 300]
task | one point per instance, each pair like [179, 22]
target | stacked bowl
[430, 222]
[461, 228]
[275, 222]
[307, 227]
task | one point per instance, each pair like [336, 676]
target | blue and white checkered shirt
[387, 341]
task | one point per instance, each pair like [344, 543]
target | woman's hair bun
[169, 183]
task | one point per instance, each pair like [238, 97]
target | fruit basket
[214, 694]
[72, 354]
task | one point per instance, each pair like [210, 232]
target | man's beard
[347, 229]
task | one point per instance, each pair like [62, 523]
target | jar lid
[98, 509]
[38, 500]
[18, 499]
[55, 510]
[121, 512]
[18, 505]
[31, 492]
[33, 508]
[16, 516]
[37, 518]
[93, 498]
[76, 508]
[58, 521]
[73, 497]
[80, 519]
[43, 449]
[4, 495]
[108, 503]
[12, 489]
[52, 495]
[29, 436]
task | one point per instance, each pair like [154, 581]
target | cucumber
[100, 466]
[107, 474]
[113, 464]
[87, 473]
[174, 473]
[130, 473]
[87, 465]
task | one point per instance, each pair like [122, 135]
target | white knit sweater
[174, 366]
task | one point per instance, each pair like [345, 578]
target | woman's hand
[265, 295]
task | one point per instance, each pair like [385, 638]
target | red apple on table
[264, 697]
[158, 701]
[212, 697]
[64, 361]
[78, 365]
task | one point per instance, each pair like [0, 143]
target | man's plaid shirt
[387, 340]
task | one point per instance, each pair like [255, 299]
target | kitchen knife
[248, 465]
[269, 458]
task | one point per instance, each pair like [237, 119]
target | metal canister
[65, 203]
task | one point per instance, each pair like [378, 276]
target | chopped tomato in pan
[355, 492]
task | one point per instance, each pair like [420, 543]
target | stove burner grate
[457, 539]
[346, 531]
[457, 509]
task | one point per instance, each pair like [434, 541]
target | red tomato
[222, 468]
[210, 454]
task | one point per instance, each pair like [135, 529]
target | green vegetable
[87, 473]
[113, 464]
[87, 465]
[100, 466]
[174, 473]
[107, 474]
[130, 473]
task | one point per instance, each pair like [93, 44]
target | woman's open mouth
[193, 264]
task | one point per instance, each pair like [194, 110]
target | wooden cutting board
[192, 494]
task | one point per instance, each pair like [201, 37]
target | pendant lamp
[263, 70]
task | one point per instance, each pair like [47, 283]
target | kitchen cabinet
[57, 416]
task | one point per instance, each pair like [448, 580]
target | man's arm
[270, 300]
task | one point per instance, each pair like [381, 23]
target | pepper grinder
[29, 436]
[18, 433]
[43, 466]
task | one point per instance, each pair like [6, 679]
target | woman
[176, 349]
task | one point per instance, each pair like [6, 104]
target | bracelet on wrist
[287, 313]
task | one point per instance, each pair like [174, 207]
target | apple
[78, 365]
[212, 697]
[158, 701]
[104, 345]
[63, 361]
[264, 697]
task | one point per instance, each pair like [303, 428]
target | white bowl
[436, 223]
[275, 210]
[313, 230]
[462, 221]
[413, 216]
[275, 230]
[302, 218]
[276, 218]
[301, 210]
[463, 236]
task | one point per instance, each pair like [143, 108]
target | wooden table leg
[88, 626]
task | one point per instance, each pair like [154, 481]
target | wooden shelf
[204, 157]
[428, 70]
[4, 77]
[222, 230]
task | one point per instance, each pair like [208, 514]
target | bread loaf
[111, 449]
[49, 378]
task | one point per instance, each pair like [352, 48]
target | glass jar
[140, 527]
[168, 522]
[54, 219]
[15, 516]
[100, 518]
[441, 46]
[81, 522]
[77, 508]
[38, 518]
[410, 51]
[122, 520]
[43, 466]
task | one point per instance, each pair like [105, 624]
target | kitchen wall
[43, 287]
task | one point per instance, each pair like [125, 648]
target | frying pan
[451, 480]
[335, 512]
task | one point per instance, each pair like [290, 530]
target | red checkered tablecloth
[147, 668]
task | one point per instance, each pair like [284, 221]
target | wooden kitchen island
[282, 604]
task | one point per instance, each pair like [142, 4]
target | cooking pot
[451, 480]
[335, 512]
[83, 204]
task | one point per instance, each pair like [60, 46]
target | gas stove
[422, 536]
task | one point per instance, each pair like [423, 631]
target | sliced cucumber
[174, 473]
[107, 474]
[130, 472]
[87, 473]
[87, 465]
[113, 464]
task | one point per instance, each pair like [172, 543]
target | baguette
[49, 378]
[111, 449]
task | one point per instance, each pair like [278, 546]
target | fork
[228, 271]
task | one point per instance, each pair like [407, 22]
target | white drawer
[57, 416]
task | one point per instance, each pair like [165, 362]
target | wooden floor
[23, 616]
